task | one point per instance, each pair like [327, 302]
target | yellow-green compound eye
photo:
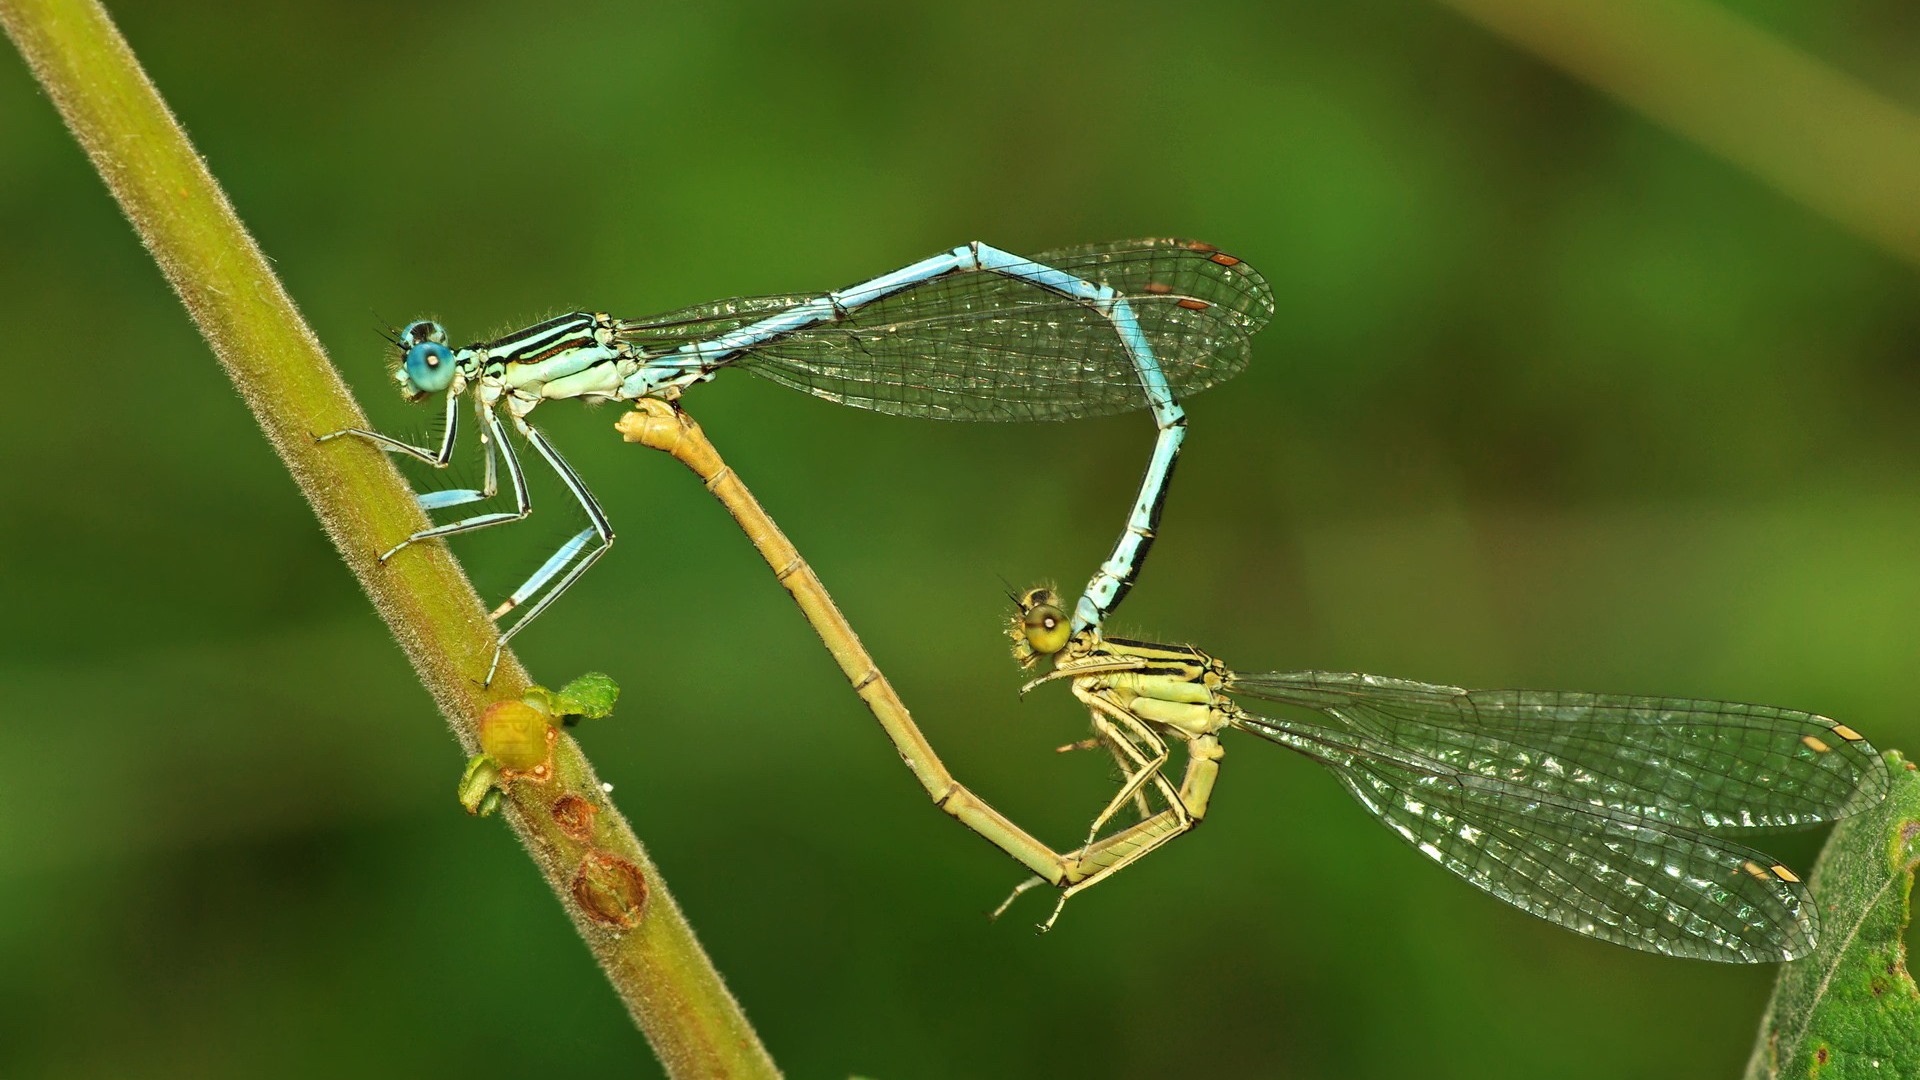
[1047, 629]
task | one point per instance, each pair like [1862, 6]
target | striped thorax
[570, 356]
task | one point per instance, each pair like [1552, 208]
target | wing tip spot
[1785, 874]
[1848, 733]
[1815, 744]
[1191, 304]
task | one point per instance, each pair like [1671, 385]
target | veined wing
[1604, 874]
[1528, 825]
[669, 330]
[979, 345]
[1694, 764]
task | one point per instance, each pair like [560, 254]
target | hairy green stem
[583, 847]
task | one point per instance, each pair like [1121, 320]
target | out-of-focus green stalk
[587, 853]
[1817, 135]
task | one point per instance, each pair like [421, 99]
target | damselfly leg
[490, 477]
[1110, 854]
[436, 458]
[1141, 753]
[555, 576]
[491, 434]
[562, 568]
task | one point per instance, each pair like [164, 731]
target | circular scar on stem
[610, 890]
[574, 815]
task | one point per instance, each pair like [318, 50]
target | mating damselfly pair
[1594, 812]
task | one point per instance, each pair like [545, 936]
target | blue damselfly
[971, 334]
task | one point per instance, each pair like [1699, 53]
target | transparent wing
[1584, 809]
[977, 345]
[1695, 764]
[669, 330]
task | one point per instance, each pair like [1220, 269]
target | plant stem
[185, 220]
[1812, 132]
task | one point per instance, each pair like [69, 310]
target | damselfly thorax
[576, 355]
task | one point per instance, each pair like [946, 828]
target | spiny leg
[490, 482]
[1144, 752]
[1157, 830]
[439, 459]
[1140, 805]
[436, 458]
[1122, 862]
[1151, 833]
[1136, 841]
[1184, 810]
[1073, 669]
[492, 437]
[1031, 883]
[1126, 732]
[523, 502]
[548, 571]
[1119, 762]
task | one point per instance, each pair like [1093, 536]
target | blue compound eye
[429, 367]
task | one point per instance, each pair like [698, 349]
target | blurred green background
[1554, 398]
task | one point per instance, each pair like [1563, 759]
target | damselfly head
[1039, 627]
[426, 365]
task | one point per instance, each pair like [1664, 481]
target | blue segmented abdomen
[1006, 338]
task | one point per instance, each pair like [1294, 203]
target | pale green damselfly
[1596, 812]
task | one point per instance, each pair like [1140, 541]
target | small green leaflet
[1851, 1009]
[589, 697]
